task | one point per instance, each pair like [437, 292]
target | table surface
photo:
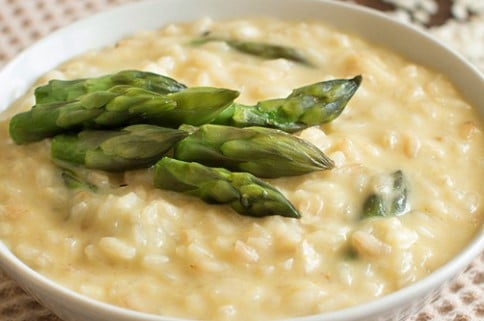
[23, 22]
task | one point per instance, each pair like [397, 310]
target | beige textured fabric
[24, 21]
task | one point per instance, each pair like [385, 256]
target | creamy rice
[170, 254]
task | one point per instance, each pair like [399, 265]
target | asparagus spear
[67, 90]
[389, 200]
[264, 152]
[116, 150]
[73, 181]
[306, 106]
[260, 49]
[245, 193]
[120, 106]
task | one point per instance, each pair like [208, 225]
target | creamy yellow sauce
[171, 254]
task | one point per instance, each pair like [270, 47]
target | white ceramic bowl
[106, 28]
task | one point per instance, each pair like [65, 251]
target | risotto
[167, 253]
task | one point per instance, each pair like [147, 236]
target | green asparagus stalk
[120, 106]
[68, 90]
[306, 106]
[264, 152]
[245, 193]
[74, 181]
[133, 147]
[259, 49]
[389, 200]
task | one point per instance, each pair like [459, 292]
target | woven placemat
[23, 22]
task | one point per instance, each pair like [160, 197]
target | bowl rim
[418, 34]
[20, 271]
[10, 263]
